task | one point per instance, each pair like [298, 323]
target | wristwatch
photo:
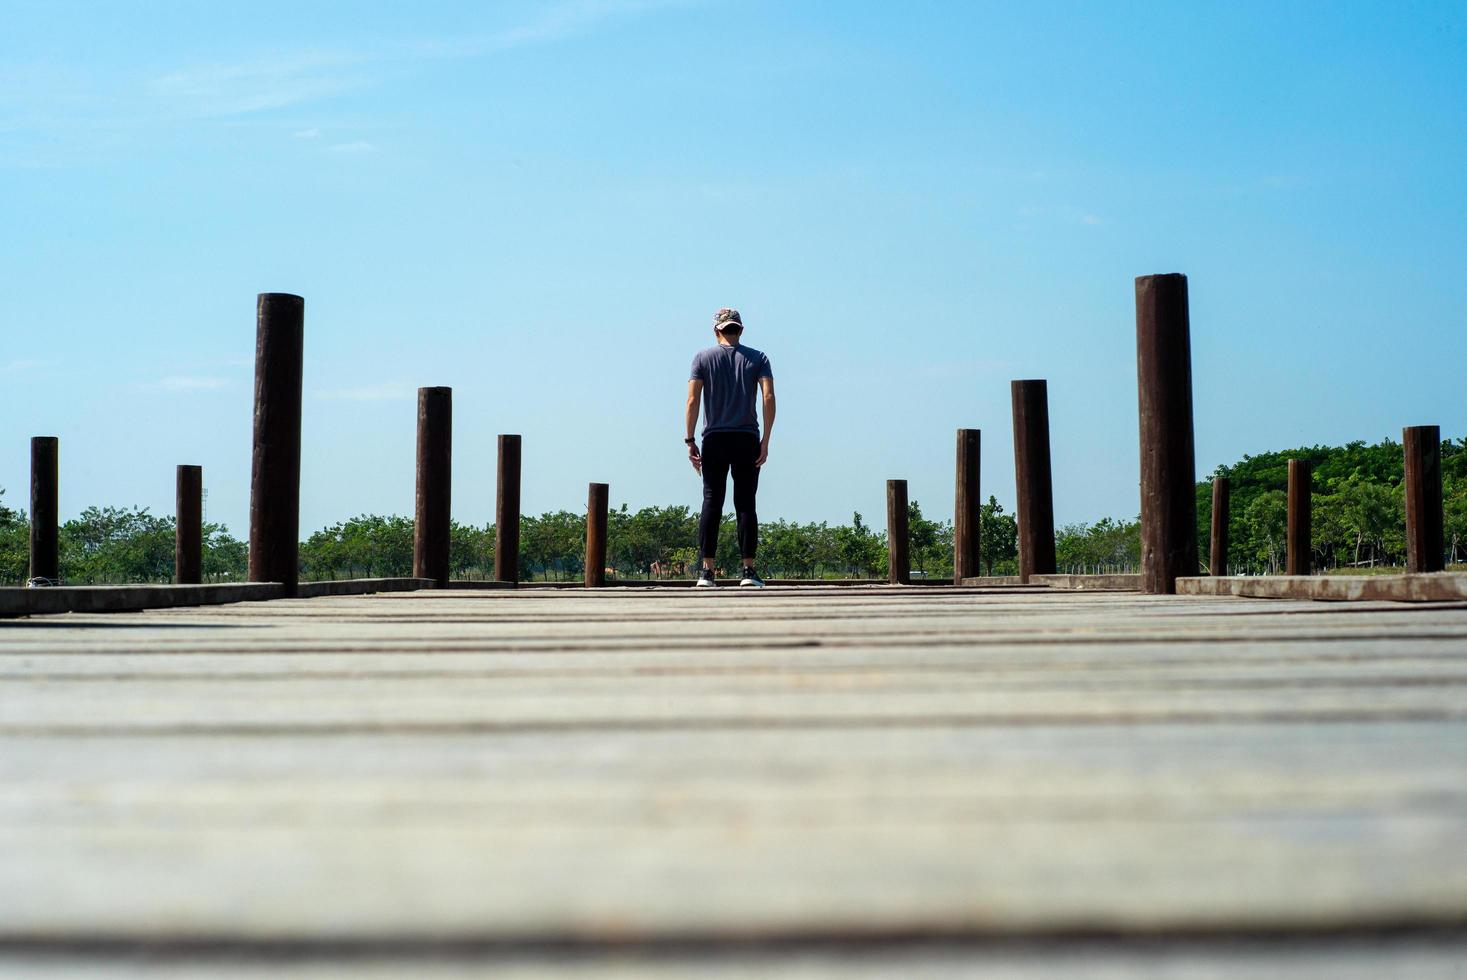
[691, 441]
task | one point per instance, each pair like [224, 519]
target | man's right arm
[690, 415]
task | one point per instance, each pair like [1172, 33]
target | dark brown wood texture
[1299, 559]
[1221, 497]
[45, 534]
[968, 506]
[434, 481]
[596, 504]
[1033, 481]
[1424, 518]
[898, 544]
[188, 536]
[507, 512]
[275, 468]
[1168, 466]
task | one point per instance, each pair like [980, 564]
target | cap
[727, 317]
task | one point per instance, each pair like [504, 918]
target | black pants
[724, 451]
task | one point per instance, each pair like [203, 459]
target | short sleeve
[697, 371]
[765, 370]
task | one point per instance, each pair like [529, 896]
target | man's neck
[727, 342]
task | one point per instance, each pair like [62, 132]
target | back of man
[727, 379]
[730, 376]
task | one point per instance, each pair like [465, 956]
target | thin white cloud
[292, 77]
[386, 391]
[190, 382]
[21, 365]
[1060, 213]
[269, 82]
[51, 112]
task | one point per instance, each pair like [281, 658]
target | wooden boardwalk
[800, 782]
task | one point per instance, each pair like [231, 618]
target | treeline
[650, 542]
[108, 545]
[114, 545]
[1359, 520]
[1359, 506]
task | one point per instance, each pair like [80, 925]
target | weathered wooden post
[596, 535]
[1221, 494]
[507, 512]
[275, 470]
[968, 508]
[1299, 558]
[431, 533]
[1032, 477]
[188, 521]
[1424, 518]
[45, 511]
[1168, 465]
[898, 558]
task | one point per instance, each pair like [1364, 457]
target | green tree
[553, 544]
[15, 544]
[366, 546]
[470, 550]
[998, 538]
[1266, 519]
[929, 543]
[1107, 545]
[225, 558]
[859, 551]
[1454, 517]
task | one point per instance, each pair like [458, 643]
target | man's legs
[746, 486]
[715, 484]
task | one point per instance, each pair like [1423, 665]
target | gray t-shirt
[730, 377]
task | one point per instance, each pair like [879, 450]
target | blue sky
[542, 204]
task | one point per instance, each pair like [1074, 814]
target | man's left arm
[766, 386]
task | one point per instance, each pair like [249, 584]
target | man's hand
[695, 458]
[763, 452]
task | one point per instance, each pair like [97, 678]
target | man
[726, 377]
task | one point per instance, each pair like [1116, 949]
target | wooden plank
[1090, 583]
[499, 776]
[129, 598]
[1423, 587]
[134, 598]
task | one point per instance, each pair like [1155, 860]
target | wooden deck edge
[361, 586]
[1425, 587]
[130, 598]
[667, 583]
[1090, 583]
[134, 598]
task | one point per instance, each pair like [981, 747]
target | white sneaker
[751, 578]
[705, 579]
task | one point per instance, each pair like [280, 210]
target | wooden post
[1221, 494]
[968, 508]
[596, 535]
[1168, 466]
[1424, 518]
[507, 512]
[1299, 558]
[898, 559]
[188, 520]
[431, 529]
[275, 471]
[45, 532]
[1032, 478]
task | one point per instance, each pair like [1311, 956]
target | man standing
[726, 377]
